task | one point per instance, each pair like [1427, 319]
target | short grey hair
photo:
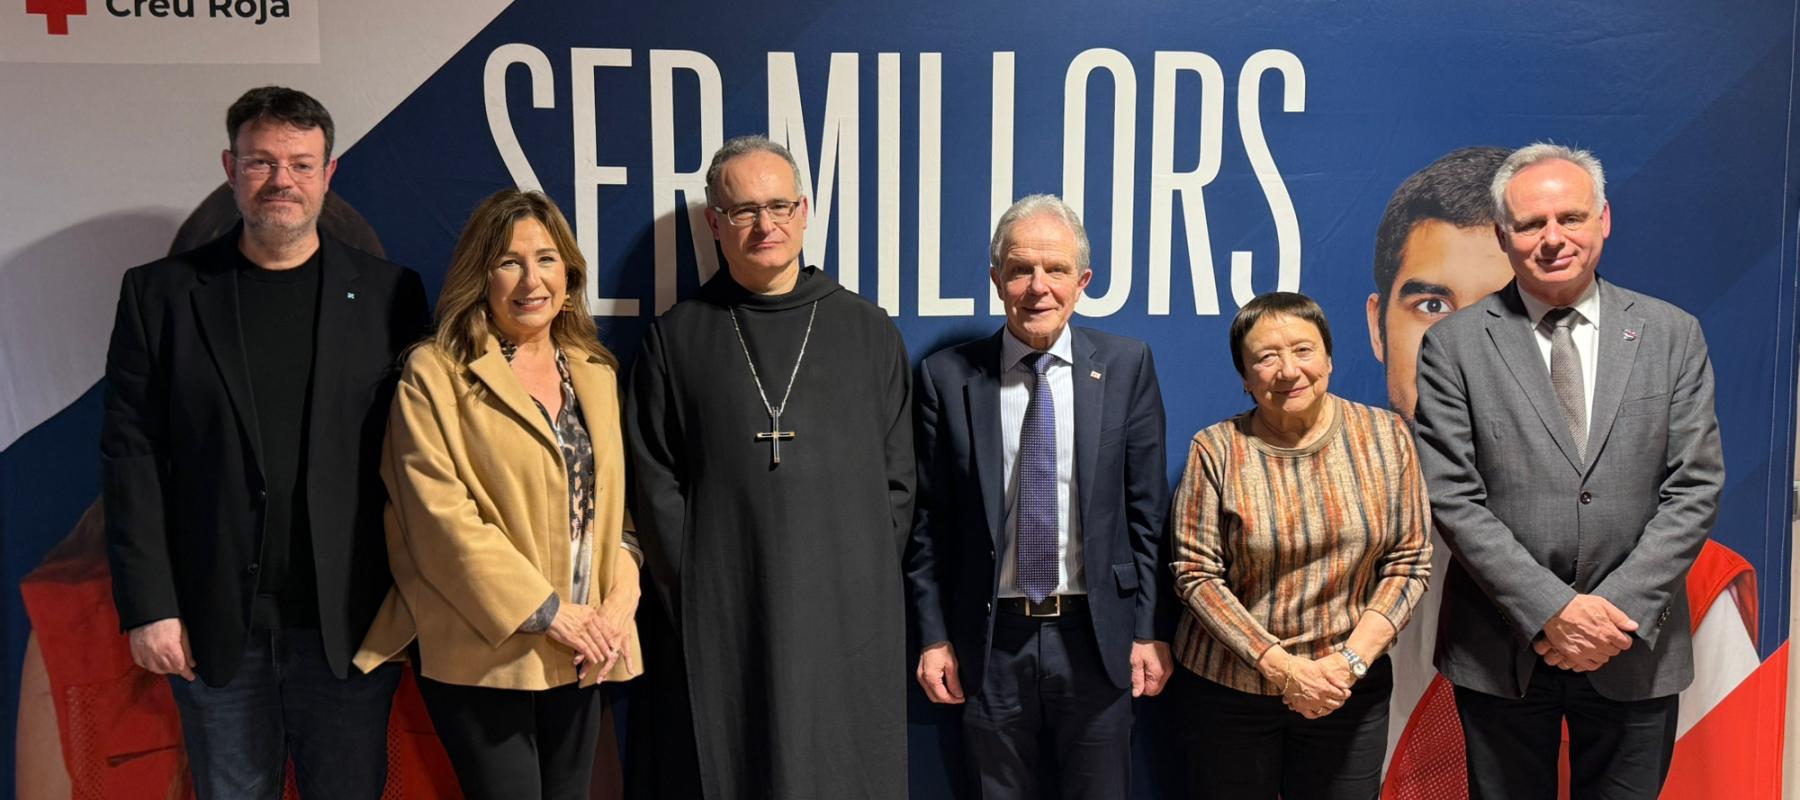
[1537, 153]
[1038, 205]
[745, 145]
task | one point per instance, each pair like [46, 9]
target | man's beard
[277, 228]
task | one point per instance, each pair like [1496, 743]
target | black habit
[774, 634]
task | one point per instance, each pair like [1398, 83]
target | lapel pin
[1630, 335]
[349, 295]
[1094, 374]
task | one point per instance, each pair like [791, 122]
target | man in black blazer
[1034, 566]
[248, 384]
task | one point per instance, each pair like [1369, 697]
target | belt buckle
[1051, 607]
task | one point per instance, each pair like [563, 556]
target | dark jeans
[1044, 682]
[1618, 749]
[1244, 746]
[508, 743]
[284, 702]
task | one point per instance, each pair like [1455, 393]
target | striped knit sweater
[1293, 545]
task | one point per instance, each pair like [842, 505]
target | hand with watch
[1344, 665]
[1310, 687]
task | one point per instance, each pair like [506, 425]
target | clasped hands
[599, 636]
[1585, 634]
[1311, 687]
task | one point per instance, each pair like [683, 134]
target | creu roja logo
[56, 13]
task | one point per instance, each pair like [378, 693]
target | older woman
[1301, 545]
[514, 582]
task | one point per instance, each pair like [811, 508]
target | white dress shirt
[1016, 382]
[1585, 333]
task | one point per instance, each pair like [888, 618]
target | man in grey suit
[1566, 428]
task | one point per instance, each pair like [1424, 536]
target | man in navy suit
[1035, 561]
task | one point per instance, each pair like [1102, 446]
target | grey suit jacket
[1531, 525]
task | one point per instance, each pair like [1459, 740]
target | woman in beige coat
[515, 582]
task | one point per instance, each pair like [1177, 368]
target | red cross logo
[56, 13]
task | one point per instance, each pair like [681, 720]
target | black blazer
[953, 558]
[180, 455]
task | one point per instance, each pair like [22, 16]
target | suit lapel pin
[1630, 335]
[1094, 374]
[349, 295]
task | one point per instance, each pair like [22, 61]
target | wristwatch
[1358, 666]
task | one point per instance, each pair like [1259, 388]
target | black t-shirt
[279, 311]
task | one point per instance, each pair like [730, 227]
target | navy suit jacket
[959, 538]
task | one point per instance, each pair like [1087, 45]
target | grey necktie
[1565, 374]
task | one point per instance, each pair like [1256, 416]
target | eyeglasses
[779, 211]
[301, 172]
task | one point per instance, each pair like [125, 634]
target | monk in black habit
[770, 427]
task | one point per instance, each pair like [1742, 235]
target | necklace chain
[774, 411]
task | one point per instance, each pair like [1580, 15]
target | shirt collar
[1588, 305]
[1011, 349]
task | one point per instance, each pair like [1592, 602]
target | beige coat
[478, 521]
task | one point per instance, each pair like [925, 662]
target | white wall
[103, 161]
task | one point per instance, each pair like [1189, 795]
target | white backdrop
[103, 161]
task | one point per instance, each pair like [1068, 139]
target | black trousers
[1617, 749]
[1244, 746]
[1045, 685]
[506, 743]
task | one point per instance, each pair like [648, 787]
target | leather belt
[1055, 605]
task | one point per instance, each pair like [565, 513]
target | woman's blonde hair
[463, 320]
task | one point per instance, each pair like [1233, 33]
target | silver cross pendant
[774, 437]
